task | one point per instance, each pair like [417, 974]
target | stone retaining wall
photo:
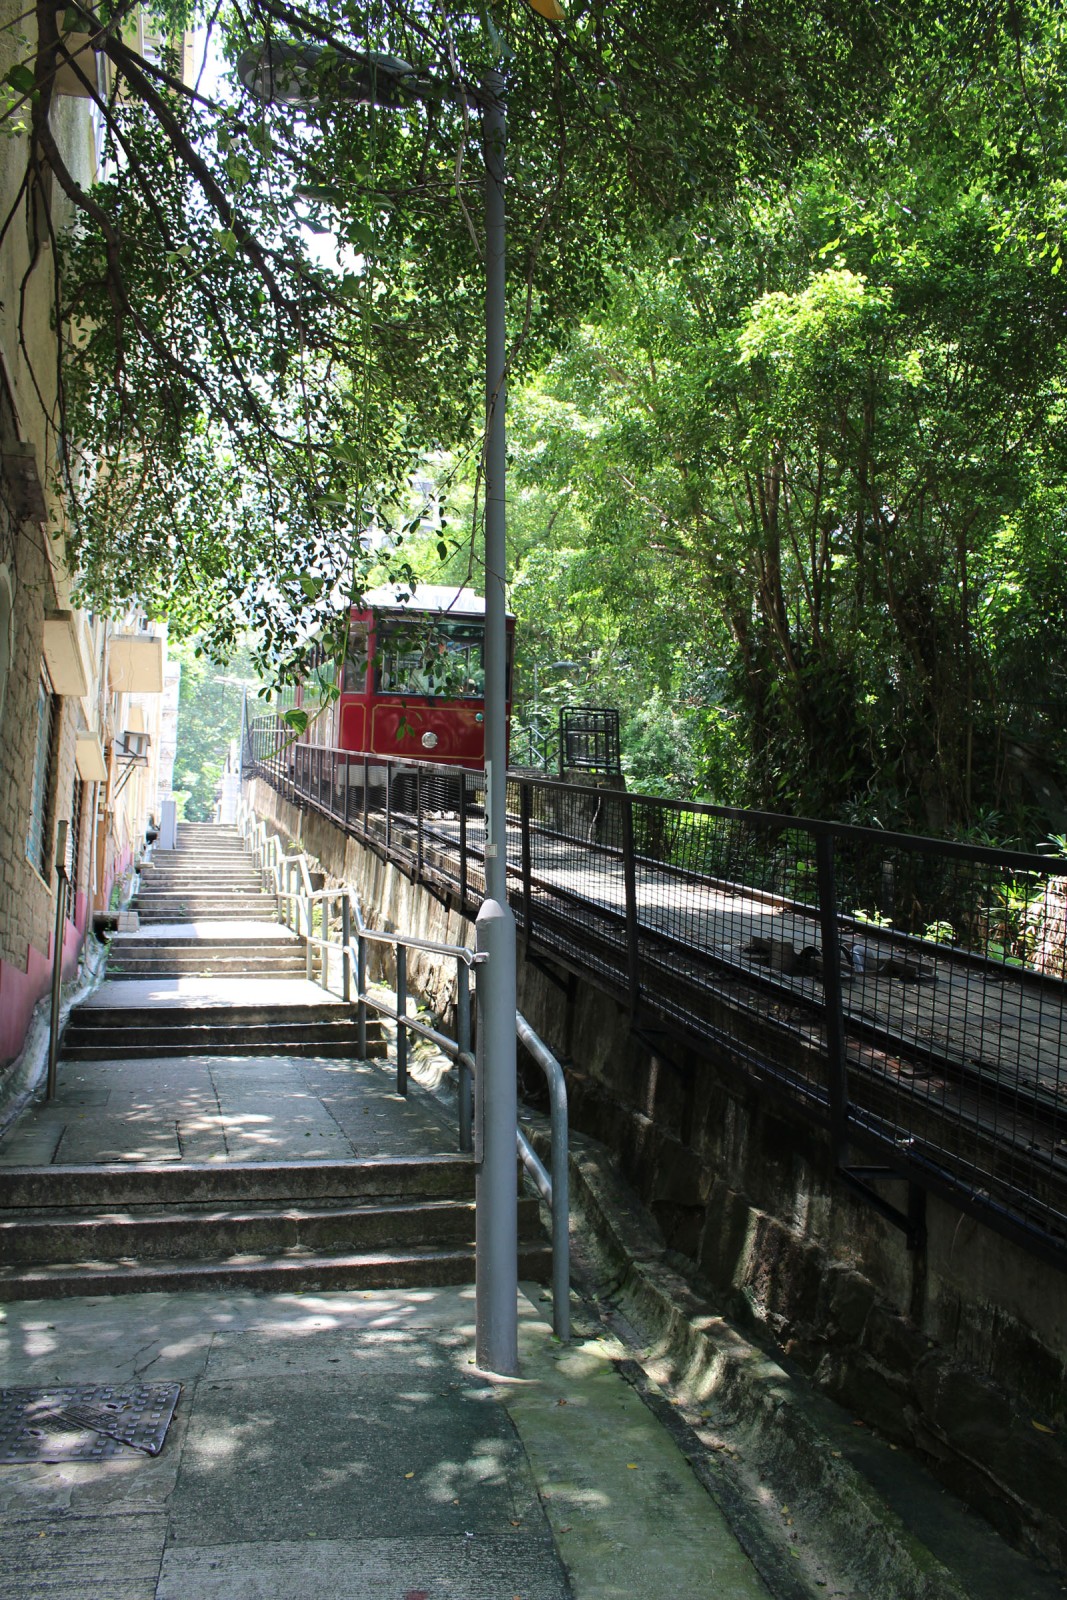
[957, 1351]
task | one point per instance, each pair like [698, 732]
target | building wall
[33, 569]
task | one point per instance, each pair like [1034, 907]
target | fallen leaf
[631, 1466]
[1040, 1426]
[409, 1474]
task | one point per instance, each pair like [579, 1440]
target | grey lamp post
[280, 72]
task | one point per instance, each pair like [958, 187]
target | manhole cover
[86, 1422]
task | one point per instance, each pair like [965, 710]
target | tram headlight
[429, 741]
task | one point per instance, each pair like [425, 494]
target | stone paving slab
[113, 1558]
[236, 930]
[181, 993]
[226, 1108]
[365, 1569]
[345, 1446]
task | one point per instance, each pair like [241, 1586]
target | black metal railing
[907, 993]
[589, 740]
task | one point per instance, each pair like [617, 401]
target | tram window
[440, 660]
[355, 673]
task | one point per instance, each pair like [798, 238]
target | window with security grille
[41, 787]
[74, 847]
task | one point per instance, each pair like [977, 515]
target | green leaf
[358, 233]
[21, 77]
[296, 718]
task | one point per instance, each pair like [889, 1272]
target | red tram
[412, 685]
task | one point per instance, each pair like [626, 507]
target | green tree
[241, 410]
[209, 718]
[825, 428]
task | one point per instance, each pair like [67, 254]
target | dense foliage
[786, 299]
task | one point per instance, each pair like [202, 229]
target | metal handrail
[553, 1186]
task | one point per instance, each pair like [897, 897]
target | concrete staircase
[208, 878]
[104, 1033]
[176, 992]
[386, 1223]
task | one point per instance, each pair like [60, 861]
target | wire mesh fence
[908, 993]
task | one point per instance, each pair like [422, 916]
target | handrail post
[629, 867]
[346, 946]
[561, 1216]
[418, 824]
[463, 1040]
[361, 990]
[309, 931]
[401, 1012]
[324, 948]
[832, 994]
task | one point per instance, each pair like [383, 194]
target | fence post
[527, 872]
[388, 807]
[366, 795]
[401, 1012]
[629, 868]
[463, 840]
[832, 995]
[418, 824]
[463, 1039]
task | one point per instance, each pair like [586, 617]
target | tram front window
[442, 661]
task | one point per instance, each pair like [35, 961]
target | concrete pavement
[345, 1447]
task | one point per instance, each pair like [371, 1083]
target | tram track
[953, 1078]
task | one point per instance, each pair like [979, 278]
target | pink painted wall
[20, 991]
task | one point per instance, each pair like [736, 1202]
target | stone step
[31, 1240]
[287, 1274]
[207, 891]
[192, 911]
[339, 1047]
[208, 1013]
[173, 881]
[241, 1183]
[204, 851]
[205, 896]
[339, 1040]
[283, 963]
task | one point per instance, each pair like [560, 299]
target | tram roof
[441, 597]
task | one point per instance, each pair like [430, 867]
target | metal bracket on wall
[911, 1222]
[657, 1041]
[563, 981]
